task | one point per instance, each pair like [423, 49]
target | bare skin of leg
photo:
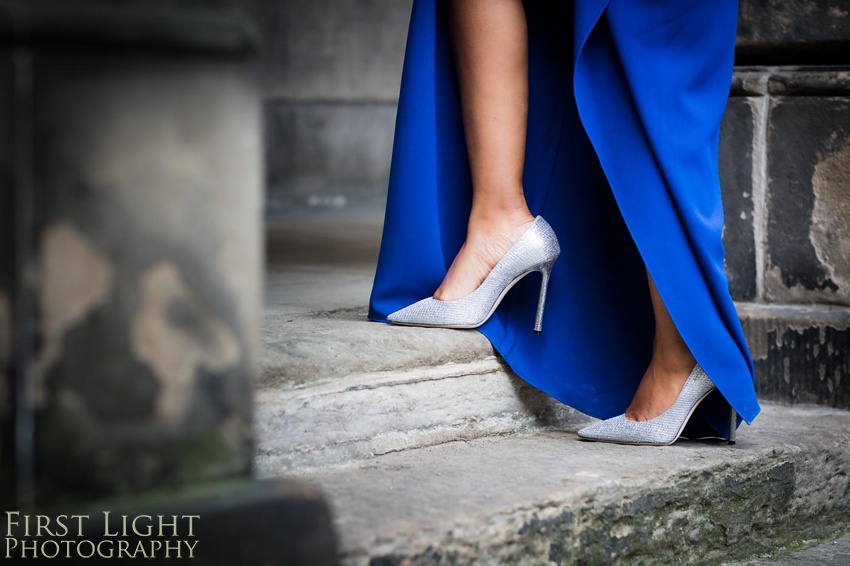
[668, 369]
[490, 44]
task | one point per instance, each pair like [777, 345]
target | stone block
[801, 354]
[808, 201]
[332, 49]
[321, 154]
[816, 80]
[793, 32]
[736, 180]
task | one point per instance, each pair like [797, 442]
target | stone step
[336, 387]
[546, 497]
[364, 415]
[833, 550]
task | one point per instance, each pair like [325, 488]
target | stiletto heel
[733, 425]
[546, 271]
[536, 250]
[663, 429]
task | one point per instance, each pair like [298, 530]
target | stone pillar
[785, 170]
[130, 271]
[134, 281]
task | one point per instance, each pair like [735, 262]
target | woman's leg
[670, 366]
[490, 44]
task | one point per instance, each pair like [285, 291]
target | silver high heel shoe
[666, 427]
[536, 250]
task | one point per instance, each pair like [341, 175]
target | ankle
[672, 358]
[498, 218]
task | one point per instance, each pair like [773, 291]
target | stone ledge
[324, 346]
[833, 550]
[791, 80]
[358, 417]
[800, 352]
[548, 497]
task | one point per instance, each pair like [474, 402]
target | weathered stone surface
[326, 345]
[736, 180]
[810, 81]
[833, 551]
[360, 416]
[801, 354]
[320, 271]
[793, 32]
[328, 155]
[808, 201]
[332, 49]
[791, 80]
[798, 351]
[550, 498]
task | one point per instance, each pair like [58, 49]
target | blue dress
[625, 103]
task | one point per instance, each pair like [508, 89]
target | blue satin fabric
[625, 103]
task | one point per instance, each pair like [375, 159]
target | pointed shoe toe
[598, 431]
[435, 313]
[411, 314]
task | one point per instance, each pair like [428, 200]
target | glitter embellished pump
[666, 427]
[536, 250]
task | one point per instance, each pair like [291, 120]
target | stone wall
[788, 226]
[793, 32]
[332, 70]
[785, 171]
